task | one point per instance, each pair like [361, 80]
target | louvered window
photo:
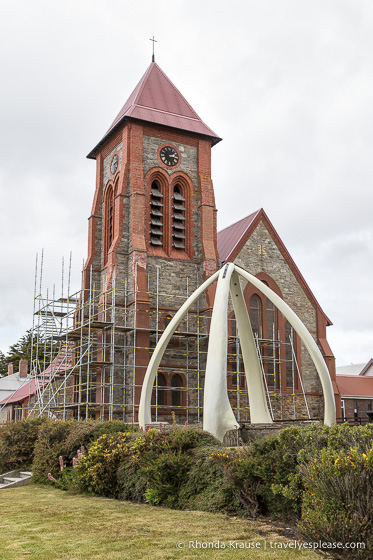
[178, 219]
[156, 215]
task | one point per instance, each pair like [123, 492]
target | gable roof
[232, 239]
[9, 384]
[356, 369]
[355, 386]
[367, 368]
[27, 389]
[155, 99]
[21, 393]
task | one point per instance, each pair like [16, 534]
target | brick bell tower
[153, 228]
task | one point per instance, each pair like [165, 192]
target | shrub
[173, 468]
[238, 471]
[264, 469]
[96, 471]
[337, 503]
[207, 488]
[132, 482]
[275, 461]
[17, 441]
[165, 459]
[48, 448]
[63, 438]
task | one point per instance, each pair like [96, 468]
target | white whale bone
[259, 413]
[218, 416]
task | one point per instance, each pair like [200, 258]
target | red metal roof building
[355, 387]
[356, 391]
[15, 407]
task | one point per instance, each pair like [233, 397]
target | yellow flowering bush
[96, 471]
[238, 472]
[337, 502]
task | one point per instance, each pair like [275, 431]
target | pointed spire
[155, 99]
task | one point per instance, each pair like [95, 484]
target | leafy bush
[337, 503]
[64, 438]
[96, 471]
[48, 448]
[165, 459]
[17, 441]
[207, 488]
[275, 462]
[238, 471]
[132, 482]
[174, 468]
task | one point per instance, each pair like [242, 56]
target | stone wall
[261, 254]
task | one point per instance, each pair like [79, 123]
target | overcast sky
[287, 84]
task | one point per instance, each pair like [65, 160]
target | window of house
[176, 383]
[156, 215]
[178, 219]
[355, 410]
[369, 405]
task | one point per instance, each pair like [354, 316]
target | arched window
[167, 321]
[162, 394]
[271, 320]
[176, 383]
[279, 345]
[271, 349]
[256, 315]
[109, 215]
[156, 215]
[178, 219]
[290, 356]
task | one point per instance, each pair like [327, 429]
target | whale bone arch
[218, 416]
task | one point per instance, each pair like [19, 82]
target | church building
[152, 241]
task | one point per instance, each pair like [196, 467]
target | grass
[44, 523]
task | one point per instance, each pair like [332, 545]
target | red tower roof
[155, 99]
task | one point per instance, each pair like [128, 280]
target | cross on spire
[154, 41]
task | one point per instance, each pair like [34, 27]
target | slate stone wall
[261, 254]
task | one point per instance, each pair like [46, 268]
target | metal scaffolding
[89, 355]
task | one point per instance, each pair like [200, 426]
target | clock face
[114, 164]
[169, 156]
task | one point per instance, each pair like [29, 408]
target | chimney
[10, 369]
[23, 367]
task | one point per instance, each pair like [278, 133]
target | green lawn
[47, 524]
